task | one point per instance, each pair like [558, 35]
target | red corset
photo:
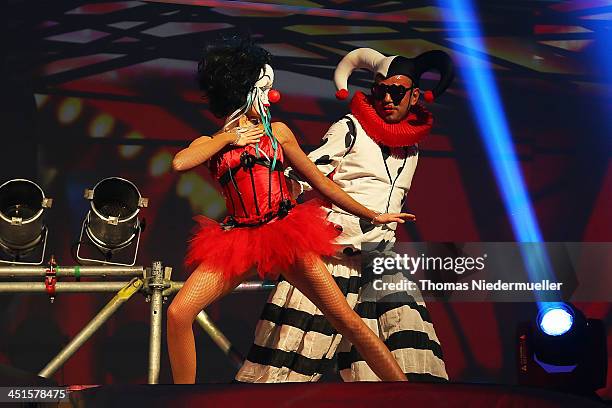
[254, 193]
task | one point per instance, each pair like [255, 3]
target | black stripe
[348, 285]
[270, 187]
[373, 310]
[397, 341]
[229, 193]
[413, 339]
[280, 185]
[296, 362]
[298, 319]
[254, 191]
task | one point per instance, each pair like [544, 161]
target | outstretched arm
[204, 147]
[302, 164]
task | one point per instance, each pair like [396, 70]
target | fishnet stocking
[201, 289]
[312, 279]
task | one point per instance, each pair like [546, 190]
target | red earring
[342, 94]
[429, 96]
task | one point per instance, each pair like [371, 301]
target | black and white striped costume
[293, 341]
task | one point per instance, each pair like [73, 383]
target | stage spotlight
[556, 320]
[22, 227]
[560, 337]
[563, 350]
[112, 222]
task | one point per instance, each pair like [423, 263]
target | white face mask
[263, 86]
[258, 95]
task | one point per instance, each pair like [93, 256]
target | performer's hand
[395, 217]
[248, 135]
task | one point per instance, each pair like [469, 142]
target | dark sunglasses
[397, 92]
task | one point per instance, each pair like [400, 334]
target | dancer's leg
[201, 289]
[312, 278]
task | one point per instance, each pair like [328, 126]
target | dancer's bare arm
[204, 147]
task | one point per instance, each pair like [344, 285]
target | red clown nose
[273, 95]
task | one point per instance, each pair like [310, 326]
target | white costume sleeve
[335, 144]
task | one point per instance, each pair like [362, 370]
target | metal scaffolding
[152, 282]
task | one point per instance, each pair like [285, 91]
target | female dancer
[266, 232]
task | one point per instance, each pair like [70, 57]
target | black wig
[228, 70]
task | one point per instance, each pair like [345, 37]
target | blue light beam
[488, 110]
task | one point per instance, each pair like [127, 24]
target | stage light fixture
[563, 350]
[560, 336]
[112, 222]
[22, 226]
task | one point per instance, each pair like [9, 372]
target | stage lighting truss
[22, 226]
[112, 223]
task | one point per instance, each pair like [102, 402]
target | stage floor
[327, 395]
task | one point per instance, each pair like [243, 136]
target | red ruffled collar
[405, 133]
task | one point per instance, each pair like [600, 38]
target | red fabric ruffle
[405, 133]
[272, 247]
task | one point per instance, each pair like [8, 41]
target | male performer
[372, 154]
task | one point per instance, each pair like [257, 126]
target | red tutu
[272, 247]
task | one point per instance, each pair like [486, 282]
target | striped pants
[295, 343]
